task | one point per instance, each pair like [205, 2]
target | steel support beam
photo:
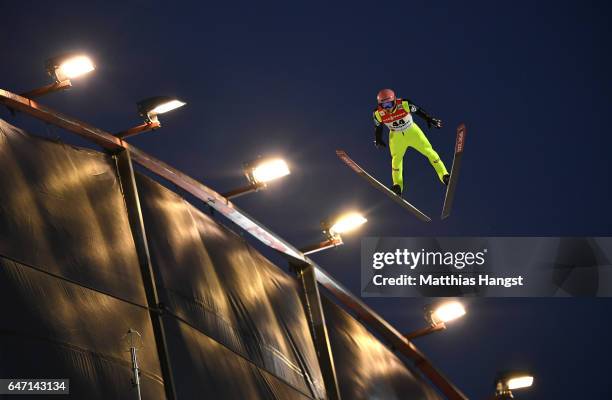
[243, 220]
[125, 171]
[318, 329]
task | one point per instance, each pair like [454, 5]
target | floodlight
[259, 173]
[520, 382]
[437, 316]
[346, 223]
[151, 107]
[446, 312]
[167, 106]
[269, 170]
[62, 68]
[506, 382]
[69, 66]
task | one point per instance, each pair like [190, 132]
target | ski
[361, 172]
[454, 175]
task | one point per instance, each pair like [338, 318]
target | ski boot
[445, 179]
[397, 190]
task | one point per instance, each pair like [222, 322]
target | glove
[379, 143]
[434, 122]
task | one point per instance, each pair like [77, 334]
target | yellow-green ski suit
[405, 133]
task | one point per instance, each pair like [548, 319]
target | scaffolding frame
[222, 205]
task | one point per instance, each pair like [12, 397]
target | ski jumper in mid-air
[396, 114]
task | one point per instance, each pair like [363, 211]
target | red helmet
[385, 95]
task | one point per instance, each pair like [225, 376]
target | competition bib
[399, 120]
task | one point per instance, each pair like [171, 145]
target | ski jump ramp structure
[90, 248]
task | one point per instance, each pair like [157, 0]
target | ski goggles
[387, 104]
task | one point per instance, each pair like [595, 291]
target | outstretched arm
[431, 121]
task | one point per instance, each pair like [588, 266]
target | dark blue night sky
[530, 79]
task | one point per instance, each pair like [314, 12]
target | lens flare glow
[447, 312]
[75, 66]
[168, 106]
[347, 222]
[270, 170]
[519, 382]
